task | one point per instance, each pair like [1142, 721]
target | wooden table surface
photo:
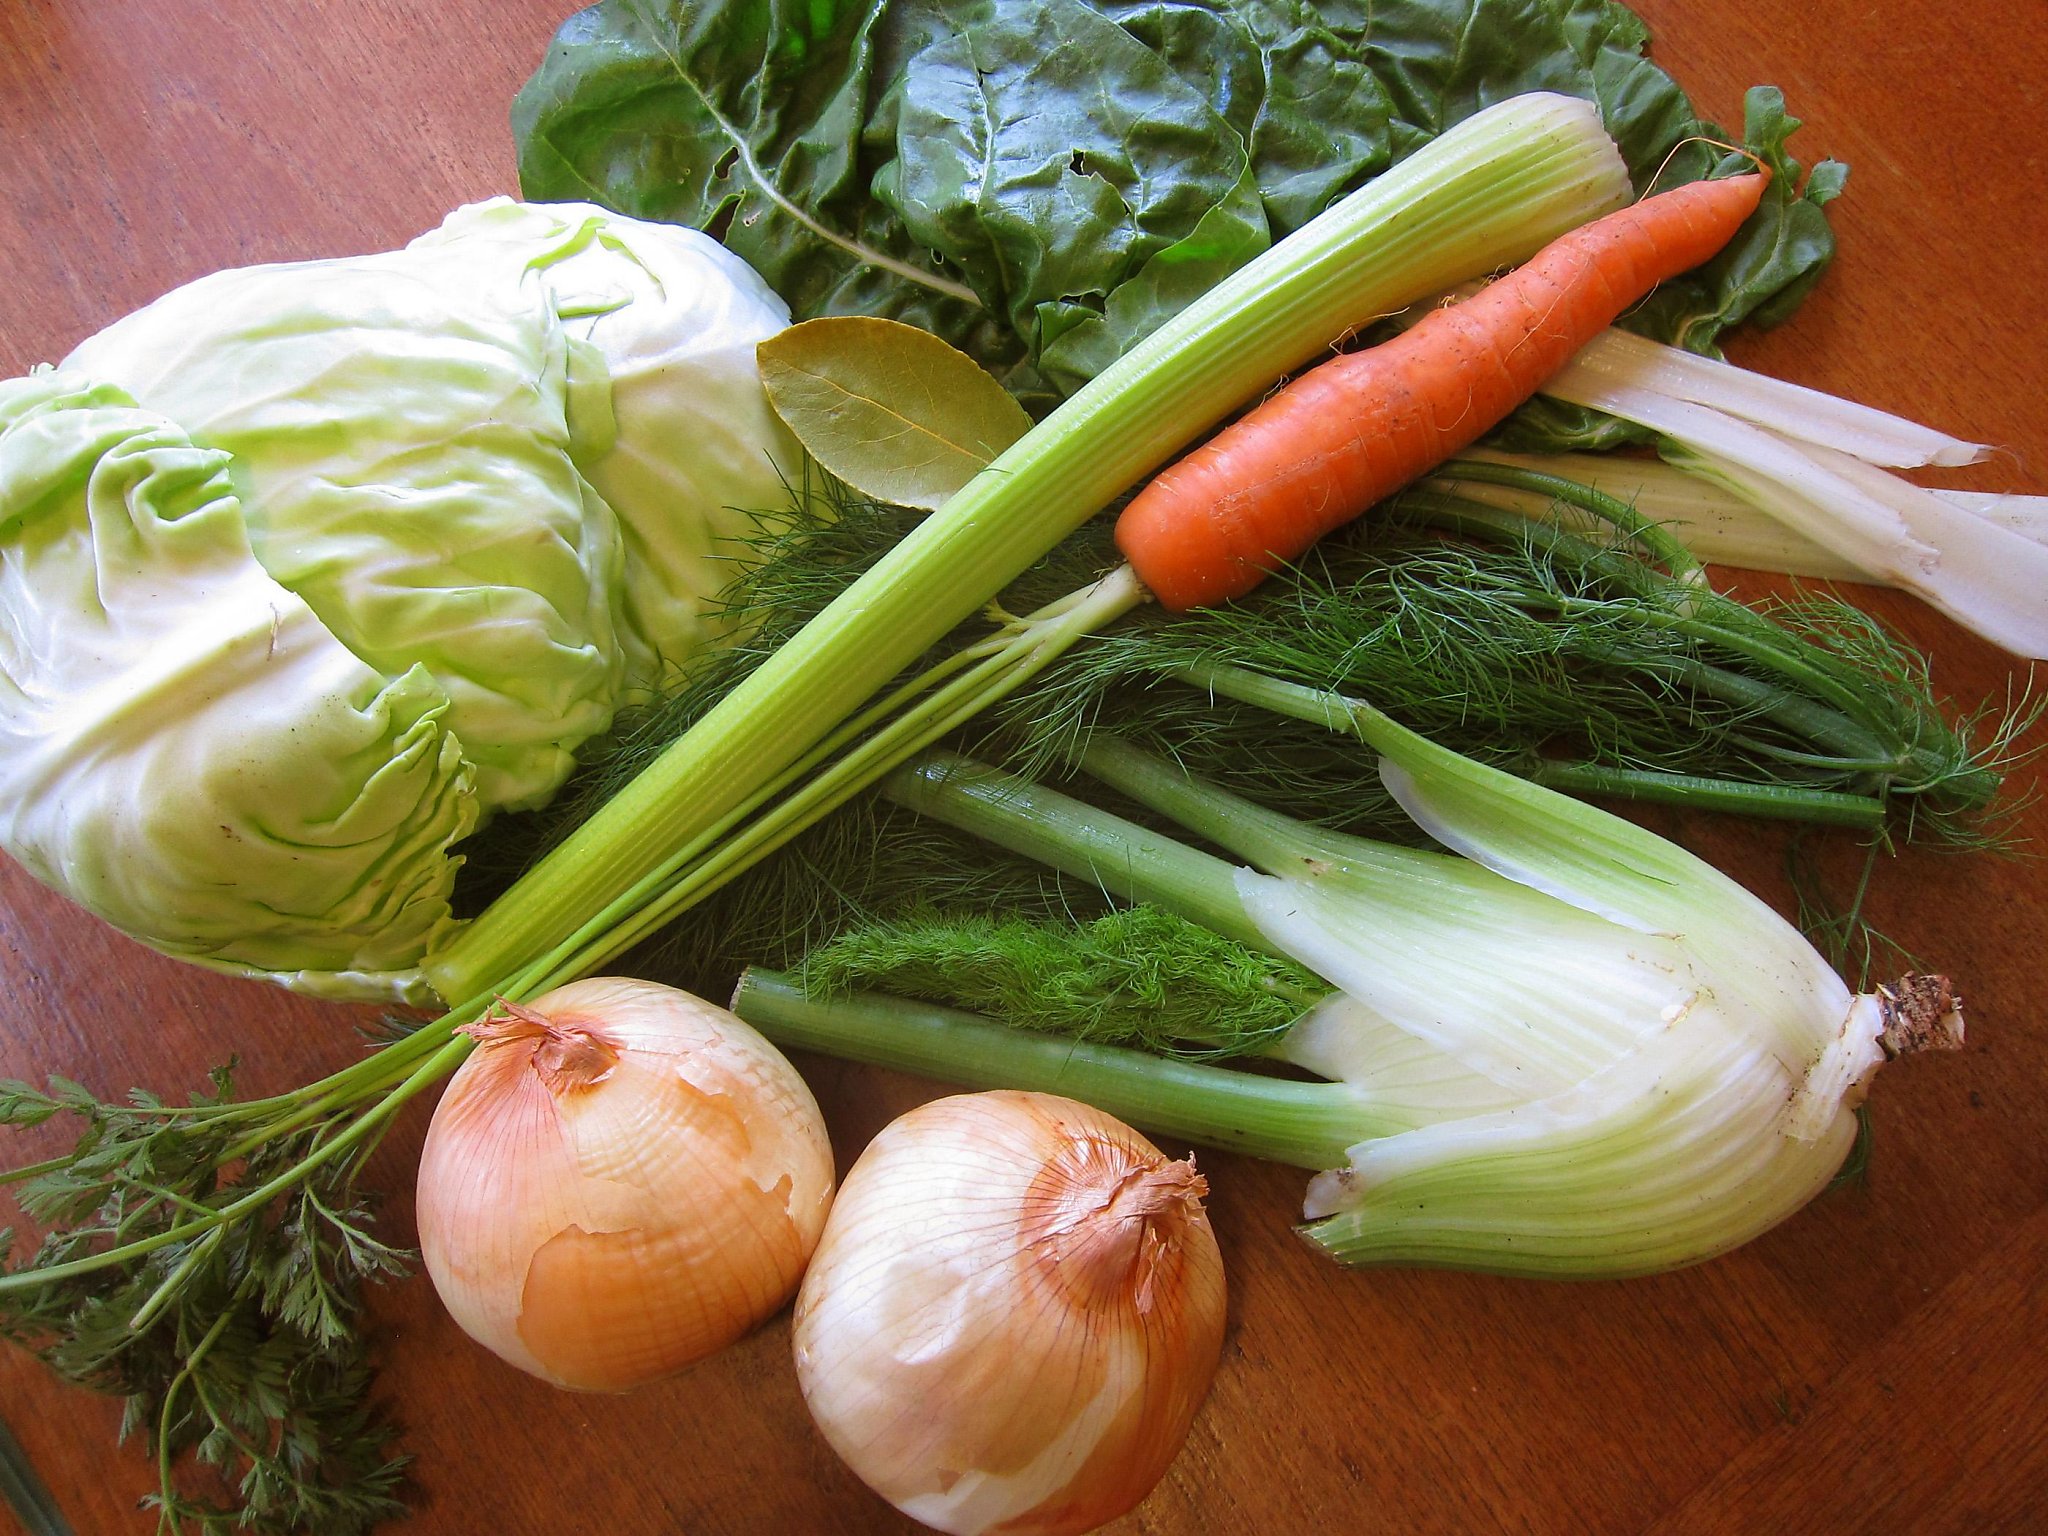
[1879, 1364]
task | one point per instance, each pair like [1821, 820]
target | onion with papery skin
[1013, 1315]
[621, 1179]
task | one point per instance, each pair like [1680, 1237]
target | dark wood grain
[1876, 1365]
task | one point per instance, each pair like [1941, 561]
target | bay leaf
[892, 410]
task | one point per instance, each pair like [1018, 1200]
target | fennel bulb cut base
[1689, 1146]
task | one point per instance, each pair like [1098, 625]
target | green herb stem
[1121, 857]
[1655, 540]
[1814, 700]
[1788, 802]
[436, 1067]
[1832, 723]
[166, 1294]
[1335, 712]
[1307, 1124]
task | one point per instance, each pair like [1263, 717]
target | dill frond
[1134, 976]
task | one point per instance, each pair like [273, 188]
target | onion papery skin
[620, 1180]
[1013, 1316]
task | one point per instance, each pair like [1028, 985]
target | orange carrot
[1363, 425]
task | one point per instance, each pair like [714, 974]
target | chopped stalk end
[1921, 1013]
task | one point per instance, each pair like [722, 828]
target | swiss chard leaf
[747, 119]
[1293, 86]
[1043, 182]
[1056, 159]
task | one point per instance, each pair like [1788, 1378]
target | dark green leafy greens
[1043, 182]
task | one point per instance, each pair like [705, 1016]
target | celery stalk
[1489, 192]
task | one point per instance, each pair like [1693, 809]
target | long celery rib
[1490, 192]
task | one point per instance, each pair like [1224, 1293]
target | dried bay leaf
[892, 410]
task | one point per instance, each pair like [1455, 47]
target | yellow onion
[1013, 1315]
[621, 1179]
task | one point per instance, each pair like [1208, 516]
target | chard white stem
[1984, 576]
[1708, 517]
[1618, 358]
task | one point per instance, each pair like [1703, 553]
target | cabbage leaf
[404, 452]
[692, 453]
[185, 749]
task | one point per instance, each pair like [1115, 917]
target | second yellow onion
[621, 1179]
[1013, 1315]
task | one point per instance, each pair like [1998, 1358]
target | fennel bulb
[1556, 1045]
[1652, 1066]
[407, 464]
